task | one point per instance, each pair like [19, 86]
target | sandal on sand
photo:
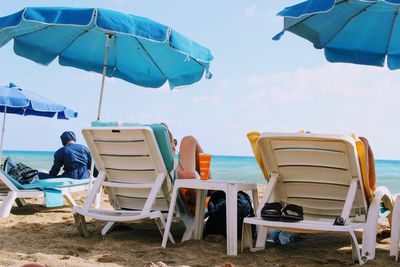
[292, 213]
[272, 211]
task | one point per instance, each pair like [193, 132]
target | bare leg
[188, 154]
[188, 165]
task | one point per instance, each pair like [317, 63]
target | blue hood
[67, 136]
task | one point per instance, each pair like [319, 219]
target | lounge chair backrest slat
[121, 147]
[136, 203]
[129, 155]
[314, 171]
[126, 176]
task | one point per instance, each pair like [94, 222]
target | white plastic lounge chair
[132, 166]
[17, 192]
[395, 234]
[322, 174]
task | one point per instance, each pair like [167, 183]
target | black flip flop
[272, 211]
[292, 213]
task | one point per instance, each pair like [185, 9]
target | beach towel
[53, 197]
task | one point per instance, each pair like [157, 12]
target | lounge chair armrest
[382, 194]
[370, 230]
[396, 198]
[384, 191]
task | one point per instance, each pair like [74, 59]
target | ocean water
[237, 168]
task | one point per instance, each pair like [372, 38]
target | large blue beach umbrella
[354, 31]
[132, 48]
[15, 100]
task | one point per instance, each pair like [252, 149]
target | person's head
[68, 137]
[173, 142]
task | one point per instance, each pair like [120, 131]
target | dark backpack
[216, 223]
[19, 171]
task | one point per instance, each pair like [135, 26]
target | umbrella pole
[109, 36]
[2, 134]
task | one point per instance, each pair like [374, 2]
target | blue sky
[258, 84]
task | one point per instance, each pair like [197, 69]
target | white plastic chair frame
[301, 167]
[130, 165]
[395, 231]
[18, 195]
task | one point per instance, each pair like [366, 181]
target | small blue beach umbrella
[15, 100]
[132, 48]
[353, 31]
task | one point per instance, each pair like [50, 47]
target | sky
[257, 85]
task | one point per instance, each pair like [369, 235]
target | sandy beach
[49, 236]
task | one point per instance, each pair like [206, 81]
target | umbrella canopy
[354, 31]
[132, 48]
[23, 102]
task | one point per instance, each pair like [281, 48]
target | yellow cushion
[253, 138]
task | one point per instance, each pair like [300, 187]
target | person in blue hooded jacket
[75, 159]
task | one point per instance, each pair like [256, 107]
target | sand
[34, 234]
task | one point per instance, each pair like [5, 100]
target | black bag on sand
[216, 223]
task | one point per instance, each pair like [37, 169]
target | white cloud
[224, 84]
[250, 11]
[150, 118]
[337, 98]
[331, 80]
[215, 99]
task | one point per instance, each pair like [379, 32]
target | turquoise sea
[224, 167]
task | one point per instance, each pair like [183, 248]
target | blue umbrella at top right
[352, 31]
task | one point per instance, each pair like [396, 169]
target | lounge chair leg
[97, 200]
[170, 214]
[394, 242]
[356, 250]
[107, 228]
[188, 221]
[7, 204]
[394, 239]
[20, 202]
[261, 238]
[247, 238]
[161, 227]
[395, 231]
[81, 225]
[69, 199]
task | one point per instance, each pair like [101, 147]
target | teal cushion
[37, 185]
[47, 183]
[62, 181]
[104, 124]
[160, 132]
